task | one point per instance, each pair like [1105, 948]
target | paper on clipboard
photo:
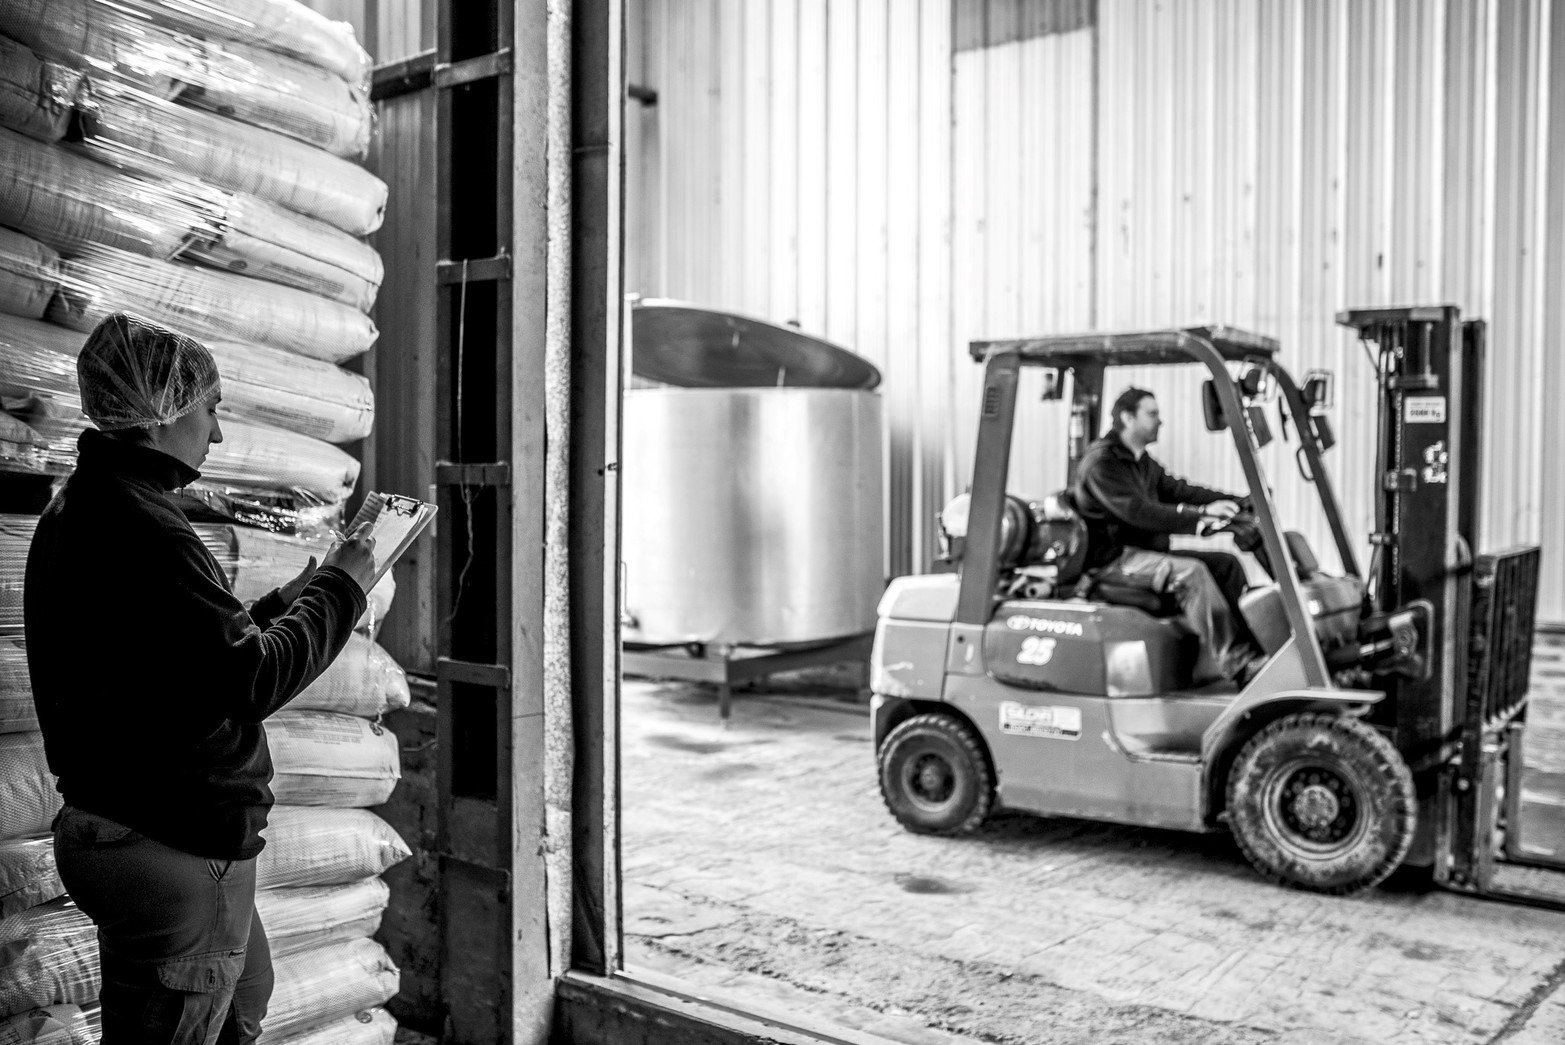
[396, 521]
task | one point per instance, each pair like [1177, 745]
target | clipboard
[396, 522]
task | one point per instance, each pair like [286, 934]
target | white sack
[22, 449]
[208, 305]
[364, 680]
[317, 986]
[135, 129]
[28, 799]
[48, 956]
[17, 713]
[264, 386]
[323, 759]
[321, 914]
[37, 98]
[16, 534]
[29, 271]
[251, 457]
[28, 876]
[368, 1027]
[306, 846]
[246, 83]
[51, 1025]
[285, 26]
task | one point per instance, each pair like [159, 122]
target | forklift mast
[1429, 367]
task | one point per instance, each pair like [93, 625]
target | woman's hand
[291, 590]
[355, 556]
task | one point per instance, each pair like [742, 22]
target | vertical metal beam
[597, 196]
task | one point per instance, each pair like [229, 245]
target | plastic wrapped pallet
[133, 128]
[247, 83]
[50, 1025]
[263, 385]
[16, 535]
[364, 680]
[17, 714]
[324, 984]
[324, 759]
[366, 1027]
[29, 272]
[309, 916]
[48, 956]
[309, 846]
[37, 98]
[207, 305]
[28, 799]
[28, 876]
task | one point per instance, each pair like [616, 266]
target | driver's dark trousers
[1203, 603]
[183, 955]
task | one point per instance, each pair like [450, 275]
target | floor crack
[1529, 1005]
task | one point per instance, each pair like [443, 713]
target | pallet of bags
[263, 386]
[364, 680]
[22, 449]
[48, 956]
[247, 83]
[16, 535]
[366, 1027]
[318, 846]
[321, 758]
[49, 1025]
[28, 800]
[28, 876]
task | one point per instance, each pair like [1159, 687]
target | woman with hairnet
[151, 682]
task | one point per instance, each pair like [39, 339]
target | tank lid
[683, 344]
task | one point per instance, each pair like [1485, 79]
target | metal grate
[1505, 600]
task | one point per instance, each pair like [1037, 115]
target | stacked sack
[192, 163]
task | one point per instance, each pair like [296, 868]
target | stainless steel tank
[752, 516]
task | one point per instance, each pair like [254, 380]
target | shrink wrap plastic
[263, 385]
[257, 561]
[17, 714]
[28, 800]
[38, 98]
[29, 272]
[51, 1025]
[285, 26]
[364, 680]
[28, 876]
[324, 759]
[234, 79]
[308, 846]
[324, 984]
[366, 1027]
[48, 956]
[303, 916]
[136, 130]
[70, 202]
[16, 534]
[207, 305]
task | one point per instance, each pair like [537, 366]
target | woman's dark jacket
[151, 680]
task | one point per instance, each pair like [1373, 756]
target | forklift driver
[1131, 505]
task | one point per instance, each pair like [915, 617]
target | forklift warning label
[1424, 410]
[1023, 720]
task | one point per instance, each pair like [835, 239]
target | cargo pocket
[196, 994]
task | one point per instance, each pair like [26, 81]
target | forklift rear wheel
[935, 777]
[1322, 802]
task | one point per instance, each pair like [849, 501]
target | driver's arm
[1121, 496]
[1174, 490]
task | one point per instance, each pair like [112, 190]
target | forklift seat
[1062, 542]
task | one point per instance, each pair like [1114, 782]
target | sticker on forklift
[1022, 720]
[1424, 410]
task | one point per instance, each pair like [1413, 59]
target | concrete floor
[760, 864]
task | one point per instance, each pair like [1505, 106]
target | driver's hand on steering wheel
[1224, 509]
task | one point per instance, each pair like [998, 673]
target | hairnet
[135, 374]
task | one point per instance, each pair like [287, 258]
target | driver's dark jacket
[1130, 503]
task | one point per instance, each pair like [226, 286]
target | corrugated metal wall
[904, 177]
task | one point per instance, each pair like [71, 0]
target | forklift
[1381, 728]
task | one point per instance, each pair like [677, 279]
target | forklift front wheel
[935, 777]
[1322, 802]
